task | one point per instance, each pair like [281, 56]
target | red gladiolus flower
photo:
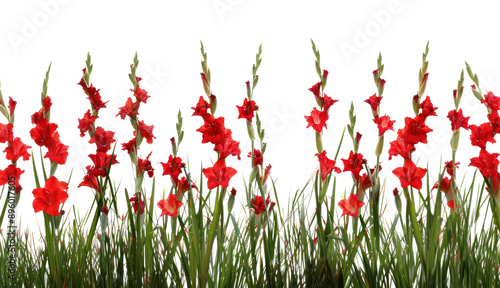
[326, 166]
[445, 187]
[410, 175]
[140, 94]
[46, 103]
[136, 203]
[354, 164]
[169, 206]
[58, 152]
[173, 167]
[492, 101]
[449, 167]
[218, 175]
[228, 147]
[257, 157]
[86, 123]
[130, 109]
[494, 121]
[374, 101]
[233, 192]
[90, 180]
[358, 137]
[101, 163]
[37, 116]
[382, 82]
[267, 172]
[12, 106]
[50, 197]
[384, 123]
[129, 146]
[325, 74]
[146, 131]
[328, 102]
[317, 120]
[400, 147]
[259, 206]
[481, 134]
[427, 108]
[145, 165]
[213, 130]
[102, 139]
[395, 192]
[6, 134]
[94, 96]
[201, 108]
[315, 89]
[247, 109]
[486, 163]
[458, 120]
[16, 150]
[350, 206]
[105, 210]
[415, 130]
[44, 133]
[183, 186]
[11, 173]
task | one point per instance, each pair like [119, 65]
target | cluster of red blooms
[101, 138]
[15, 149]
[54, 193]
[486, 162]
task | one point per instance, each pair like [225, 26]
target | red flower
[481, 134]
[449, 167]
[486, 163]
[130, 109]
[317, 120]
[11, 172]
[445, 186]
[44, 133]
[101, 163]
[58, 152]
[6, 134]
[494, 121]
[257, 157]
[492, 101]
[169, 206]
[129, 146]
[140, 94]
[228, 147]
[173, 167]
[458, 120]
[105, 210]
[37, 116]
[16, 150]
[315, 89]
[90, 180]
[410, 175]
[400, 147]
[233, 192]
[201, 108]
[183, 186]
[86, 123]
[145, 165]
[94, 96]
[102, 139]
[384, 123]
[213, 130]
[50, 197]
[415, 130]
[146, 131]
[218, 175]
[350, 207]
[46, 103]
[247, 110]
[267, 172]
[326, 166]
[136, 203]
[328, 102]
[259, 206]
[374, 101]
[427, 108]
[12, 106]
[354, 164]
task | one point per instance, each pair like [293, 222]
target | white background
[166, 35]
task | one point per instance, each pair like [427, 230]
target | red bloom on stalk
[228, 147]
[494, 121]
[257, 157]
[183, 186]
[11, 172]
[326, 166]
[481, 134]
[130, 109]
[213, 130]
[427, 108]
[90, 180]
[94, 96]
[354, 164]
[350, 206]
[315, 89]
[58, 152]
[247, 110]
[449, 167]
[136, 203]
[415, 130]
[267, 172]
[259, 206]
[101, 163]
[145, 165]
[12, 106]
[86, 123]
[173, 167]
[50, 197]
[44, 133]
[46, 103]
[384, 123]
[317, 120]
[445, 186]
[410, 175]
[6, 134]
[37, 116]
[169, 206]
[374, 101]
[492, 101]
[201, 108]
[486, 163]
[140, 94]
[400, 147]
[102, 139]
[458, 120]
[146, 131]
[129, 146]
[16, 150]
[328, 102]
[218, 175]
